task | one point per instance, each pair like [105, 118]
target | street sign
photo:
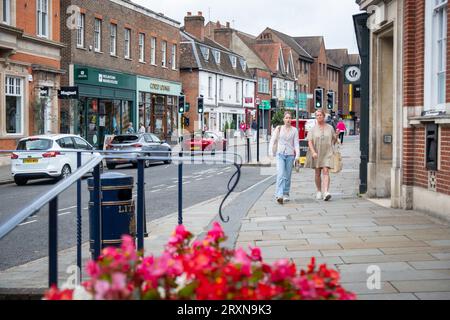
[352, 74]
[302, 101]
[68, 93]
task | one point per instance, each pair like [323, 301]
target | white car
[50, 157]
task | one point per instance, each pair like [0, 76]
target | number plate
[30, 161]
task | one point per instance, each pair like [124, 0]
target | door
[67, 145]
[82, 144]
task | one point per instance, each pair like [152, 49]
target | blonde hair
[322, 112]
[287, 113]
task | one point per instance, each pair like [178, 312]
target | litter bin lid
[113, 179]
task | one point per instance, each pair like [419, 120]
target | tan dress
[323, 143]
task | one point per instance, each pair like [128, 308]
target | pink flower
[216, 234]
[255, 254]
[93, 269]
[101, 288]
[119, 281]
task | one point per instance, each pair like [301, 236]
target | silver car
[134, 144]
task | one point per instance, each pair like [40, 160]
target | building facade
[124, 59]
[410, 99]
[218, 74]
[30, 69]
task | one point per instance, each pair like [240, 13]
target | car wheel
[213, 153]
[110, 166]
[20, 181]
[147, 162]
[65, 172]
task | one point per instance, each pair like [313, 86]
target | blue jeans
[284, 172]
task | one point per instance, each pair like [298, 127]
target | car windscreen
[35, 144]
[124, 139]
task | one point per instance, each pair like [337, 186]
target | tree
[278, 118]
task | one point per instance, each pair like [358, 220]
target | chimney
[223, 36]
[195, 25]
[228, 25]
[218, 24]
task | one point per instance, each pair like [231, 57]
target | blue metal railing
[51, 197]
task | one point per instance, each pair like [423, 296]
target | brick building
[409, 159]
[242, 43]
[30, 69]
[124, 58]
[217, 73]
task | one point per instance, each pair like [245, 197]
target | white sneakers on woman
[326, 196]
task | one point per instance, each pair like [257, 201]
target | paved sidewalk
[350, 233]
[5, 174]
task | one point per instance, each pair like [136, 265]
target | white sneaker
[327, 196]
[286, 198]
[319, 196]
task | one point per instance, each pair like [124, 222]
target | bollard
[248, 150]
[117, 215]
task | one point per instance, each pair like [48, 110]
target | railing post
[248, 150]
[180, 191]
[97, 223]
[53, 242]
[140, 205]
[79, 222]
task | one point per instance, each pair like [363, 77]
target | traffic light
[318, 98]
[186, 122]
[200, 105]
[330, 100]
[181, 104]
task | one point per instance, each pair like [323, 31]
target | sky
[330, 18]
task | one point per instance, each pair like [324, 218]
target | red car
[209, 142]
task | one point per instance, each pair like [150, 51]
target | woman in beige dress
[321, 139]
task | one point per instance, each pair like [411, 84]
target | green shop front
[106, 105]
[158, 106]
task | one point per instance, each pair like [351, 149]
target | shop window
[14, 105]
[432, 147]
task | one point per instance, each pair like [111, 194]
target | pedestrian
[285, 147]
[141, 128]
[321, 140]
[254, 129]
[130, 128]
[242, 128]
[342, 129]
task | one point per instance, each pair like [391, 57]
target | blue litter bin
[117, 210]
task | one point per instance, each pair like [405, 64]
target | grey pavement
[351, 233]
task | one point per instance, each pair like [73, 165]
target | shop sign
[265, 105]
[289, 103]
[68, 93]
[105, 78]
[352, 74]
[158, 86]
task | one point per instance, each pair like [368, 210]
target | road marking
[64, 213]
[25, 223]
[154, 191]
[160, 186]
[171, 187]
[199, 179]
[186, 182]
[261, 182]
[72, 207]
[219, 173]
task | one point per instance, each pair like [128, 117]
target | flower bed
[202, 270]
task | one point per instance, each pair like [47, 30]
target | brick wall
[190, 81]
[110, 12]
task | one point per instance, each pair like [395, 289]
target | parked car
[207, 141]
[134, 144]
[50, 157]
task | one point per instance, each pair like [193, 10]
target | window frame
[435, 99]
[98, 35]
[153, 46]
[17, 91]
[164, 54]
[81, 30]
[141, 47]
[113, 39]
[6, 16]
[174, 56]
[42, 18]
[127, 43]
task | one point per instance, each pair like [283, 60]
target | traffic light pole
[258, 120]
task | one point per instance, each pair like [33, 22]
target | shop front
[106, 104]
[158, 106]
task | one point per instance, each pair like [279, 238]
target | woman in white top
[285, 146]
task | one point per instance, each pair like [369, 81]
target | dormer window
[217, 56]
[243, 64]
[233, 60]
[205, 52]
